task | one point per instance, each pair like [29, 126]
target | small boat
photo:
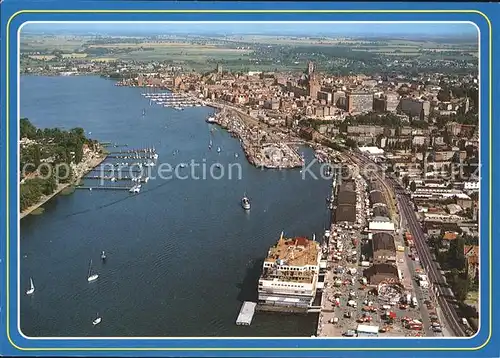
[97, 320]
[211, 119]
[32, 287]
[236, 155]
[245, 203]
[103, 256]
[135, 189]
[218, 149]
[91, 277]
[144, 112]
[183, 165]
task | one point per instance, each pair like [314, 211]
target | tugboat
[245, 203]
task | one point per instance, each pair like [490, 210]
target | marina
[177, 101]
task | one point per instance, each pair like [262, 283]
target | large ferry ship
[290, 275]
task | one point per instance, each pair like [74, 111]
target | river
[182, 254]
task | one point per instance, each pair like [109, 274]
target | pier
[119, 177]
[246, 313]
[136, 150]
[130, 156]
[119, 169]
[87, 187]
[114, 145]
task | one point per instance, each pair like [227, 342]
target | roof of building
[429, 225]
[372, 150]
[450, 235]
[345, 212]
[347, 185]
[346, 197]
[380, 211]
[376, 197]
[471, 250]
[385, 269]
[383, 241]
[376, 185]
[298, 251]
[380, 226]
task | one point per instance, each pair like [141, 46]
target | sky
[302, 29]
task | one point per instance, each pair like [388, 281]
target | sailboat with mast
[32, 287]
[91, 277]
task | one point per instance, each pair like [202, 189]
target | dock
[129, 156]
[118, 170]
[246, 313]
[100, 177]
[112, 178]
[134, 150]
[109, 144]
[104, 187]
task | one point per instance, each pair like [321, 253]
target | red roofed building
[471, 253]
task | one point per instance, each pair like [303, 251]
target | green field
[184, 53]
[43, 43]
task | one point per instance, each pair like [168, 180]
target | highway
[437, 281]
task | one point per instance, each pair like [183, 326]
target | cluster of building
[281, 98]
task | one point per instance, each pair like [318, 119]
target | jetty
[131, 156]
[119, 169]
[97, 187]
[246, 313]
[119, 177]
[135, 150]
[114, 145]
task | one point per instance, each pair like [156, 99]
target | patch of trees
[52, 146]
[387, 120]
[32, 190]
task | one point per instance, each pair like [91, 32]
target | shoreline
[237, 124]
[94, 162]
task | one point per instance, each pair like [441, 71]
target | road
[436, 278]
[437, 281]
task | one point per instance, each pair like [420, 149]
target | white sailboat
[218, 149]
[91, 277]
[32, 287]
[97, 320]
